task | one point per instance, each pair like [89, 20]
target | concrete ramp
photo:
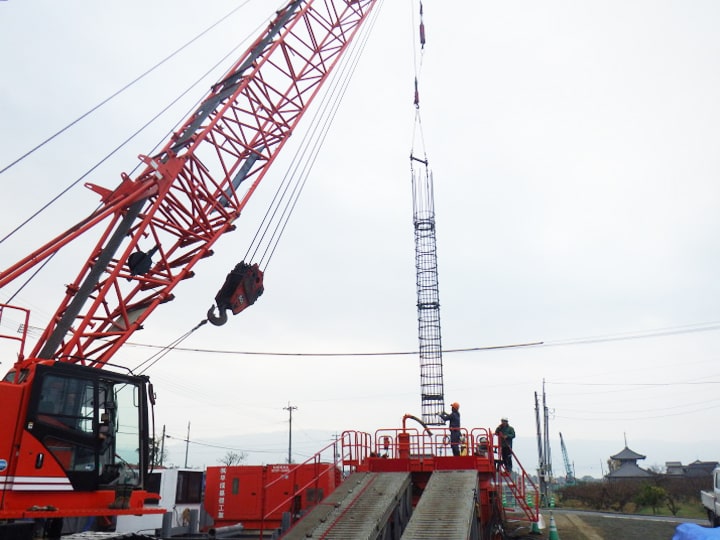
[446, 508]
[372, 506]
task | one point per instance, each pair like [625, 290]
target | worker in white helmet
[506, 434]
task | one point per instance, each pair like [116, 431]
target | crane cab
[71, 442]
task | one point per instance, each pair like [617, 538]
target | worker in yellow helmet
[454, 418]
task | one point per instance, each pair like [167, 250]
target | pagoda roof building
[628, 467]
[627, 455]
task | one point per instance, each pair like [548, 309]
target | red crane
[79, 440]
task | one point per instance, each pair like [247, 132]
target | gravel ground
[597, 527]
[572, 527]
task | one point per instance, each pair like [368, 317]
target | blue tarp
[691, 531]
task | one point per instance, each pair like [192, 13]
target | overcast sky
[574, 151]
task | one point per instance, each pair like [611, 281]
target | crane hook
[216, 320]
[242, 287]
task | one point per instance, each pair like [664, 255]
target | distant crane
[569, 473]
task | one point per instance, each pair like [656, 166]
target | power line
[625, 336]
[221, 447]
[660, 332]
[615, 418]
[335, 354]
[674, 383]
[121, 90]
[704, 404]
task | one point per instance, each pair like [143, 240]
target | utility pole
[542, 467]
[336, 438]
[290, 409]
[546, 437]
[543, 443]
[162, 447]
[187, 444]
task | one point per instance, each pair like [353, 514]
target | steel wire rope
[329, 105]
[339, 90]
[296, 175]
[284, 197]
[155, 358]
[300, 168]
[417, 131]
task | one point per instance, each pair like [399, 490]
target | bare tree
[158, 454]
[233, 458]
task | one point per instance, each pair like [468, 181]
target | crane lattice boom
[569, 474]
[76, 439]
[159, 224]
